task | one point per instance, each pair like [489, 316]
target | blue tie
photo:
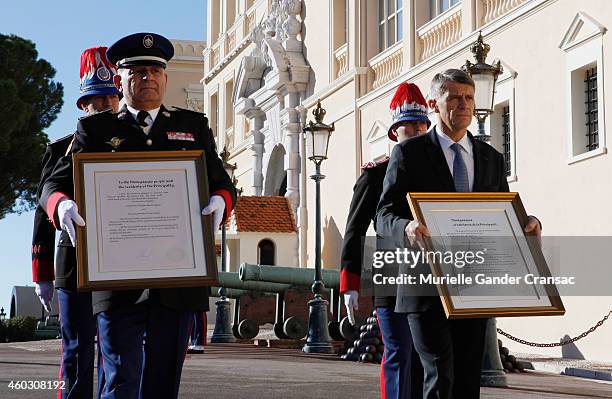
[460, 175]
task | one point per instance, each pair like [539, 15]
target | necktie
[141, 117]
[460, 175]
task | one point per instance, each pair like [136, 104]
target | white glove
[68, 214]
[44, 290]
[216, 206]
[415, 232]
[351, 301]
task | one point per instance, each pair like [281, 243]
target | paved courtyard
[245, 371]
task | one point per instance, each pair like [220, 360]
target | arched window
[266, 253]
[283, 187]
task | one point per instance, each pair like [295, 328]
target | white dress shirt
[466, 151]
[150, 119]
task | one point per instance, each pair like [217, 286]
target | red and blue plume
[96, 74]
[407, 93]
[408, 104]
[93, 58]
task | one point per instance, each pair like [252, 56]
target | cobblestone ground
[244, 371]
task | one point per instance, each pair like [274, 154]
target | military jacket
[172, 130]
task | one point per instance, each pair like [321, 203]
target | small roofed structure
[262, 230]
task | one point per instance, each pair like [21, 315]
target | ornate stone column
[256, 121]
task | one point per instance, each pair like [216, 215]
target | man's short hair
[438, 83]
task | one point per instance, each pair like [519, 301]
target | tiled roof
[266, 214]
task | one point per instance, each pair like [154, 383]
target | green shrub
[2, 331]
[20, 328]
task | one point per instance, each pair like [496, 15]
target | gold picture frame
[144, 227]
[427, 208]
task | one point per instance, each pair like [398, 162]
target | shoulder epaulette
[97, 114]
[188, 110]
[373, 164]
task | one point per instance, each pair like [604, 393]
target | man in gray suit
[445, 159]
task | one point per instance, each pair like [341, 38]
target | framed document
[481, 262]
[144, 227]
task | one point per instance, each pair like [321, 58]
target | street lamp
[317, 140]
[485, 77]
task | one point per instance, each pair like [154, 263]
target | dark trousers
[401, 372]
[78, 330]
[198, 332]
[451, 354]
[150, 370]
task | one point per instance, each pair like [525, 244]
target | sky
[61, 30]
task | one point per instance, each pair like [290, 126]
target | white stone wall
[571, 198]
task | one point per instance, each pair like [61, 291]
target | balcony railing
[230, 41]
[249, 23]
[439, 33]
[341, 60]
[387, 65]
[492, 9]
[215, 56]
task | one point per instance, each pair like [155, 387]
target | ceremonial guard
[401, 370]
[163, 316]
[77, 323]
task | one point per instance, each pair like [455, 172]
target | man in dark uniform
[164, 316]
[401, 371]
[77, 323]
[446, 159]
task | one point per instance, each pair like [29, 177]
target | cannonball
[504, 351]
[366, 357]
[370, 349]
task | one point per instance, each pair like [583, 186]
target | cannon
[245, 329]
[292, 328]
[287, 275]
[298, 277]
[232, 280]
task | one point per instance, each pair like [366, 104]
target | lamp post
[317, 140]
[485, 77]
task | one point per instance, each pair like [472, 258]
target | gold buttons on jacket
[149, 142]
